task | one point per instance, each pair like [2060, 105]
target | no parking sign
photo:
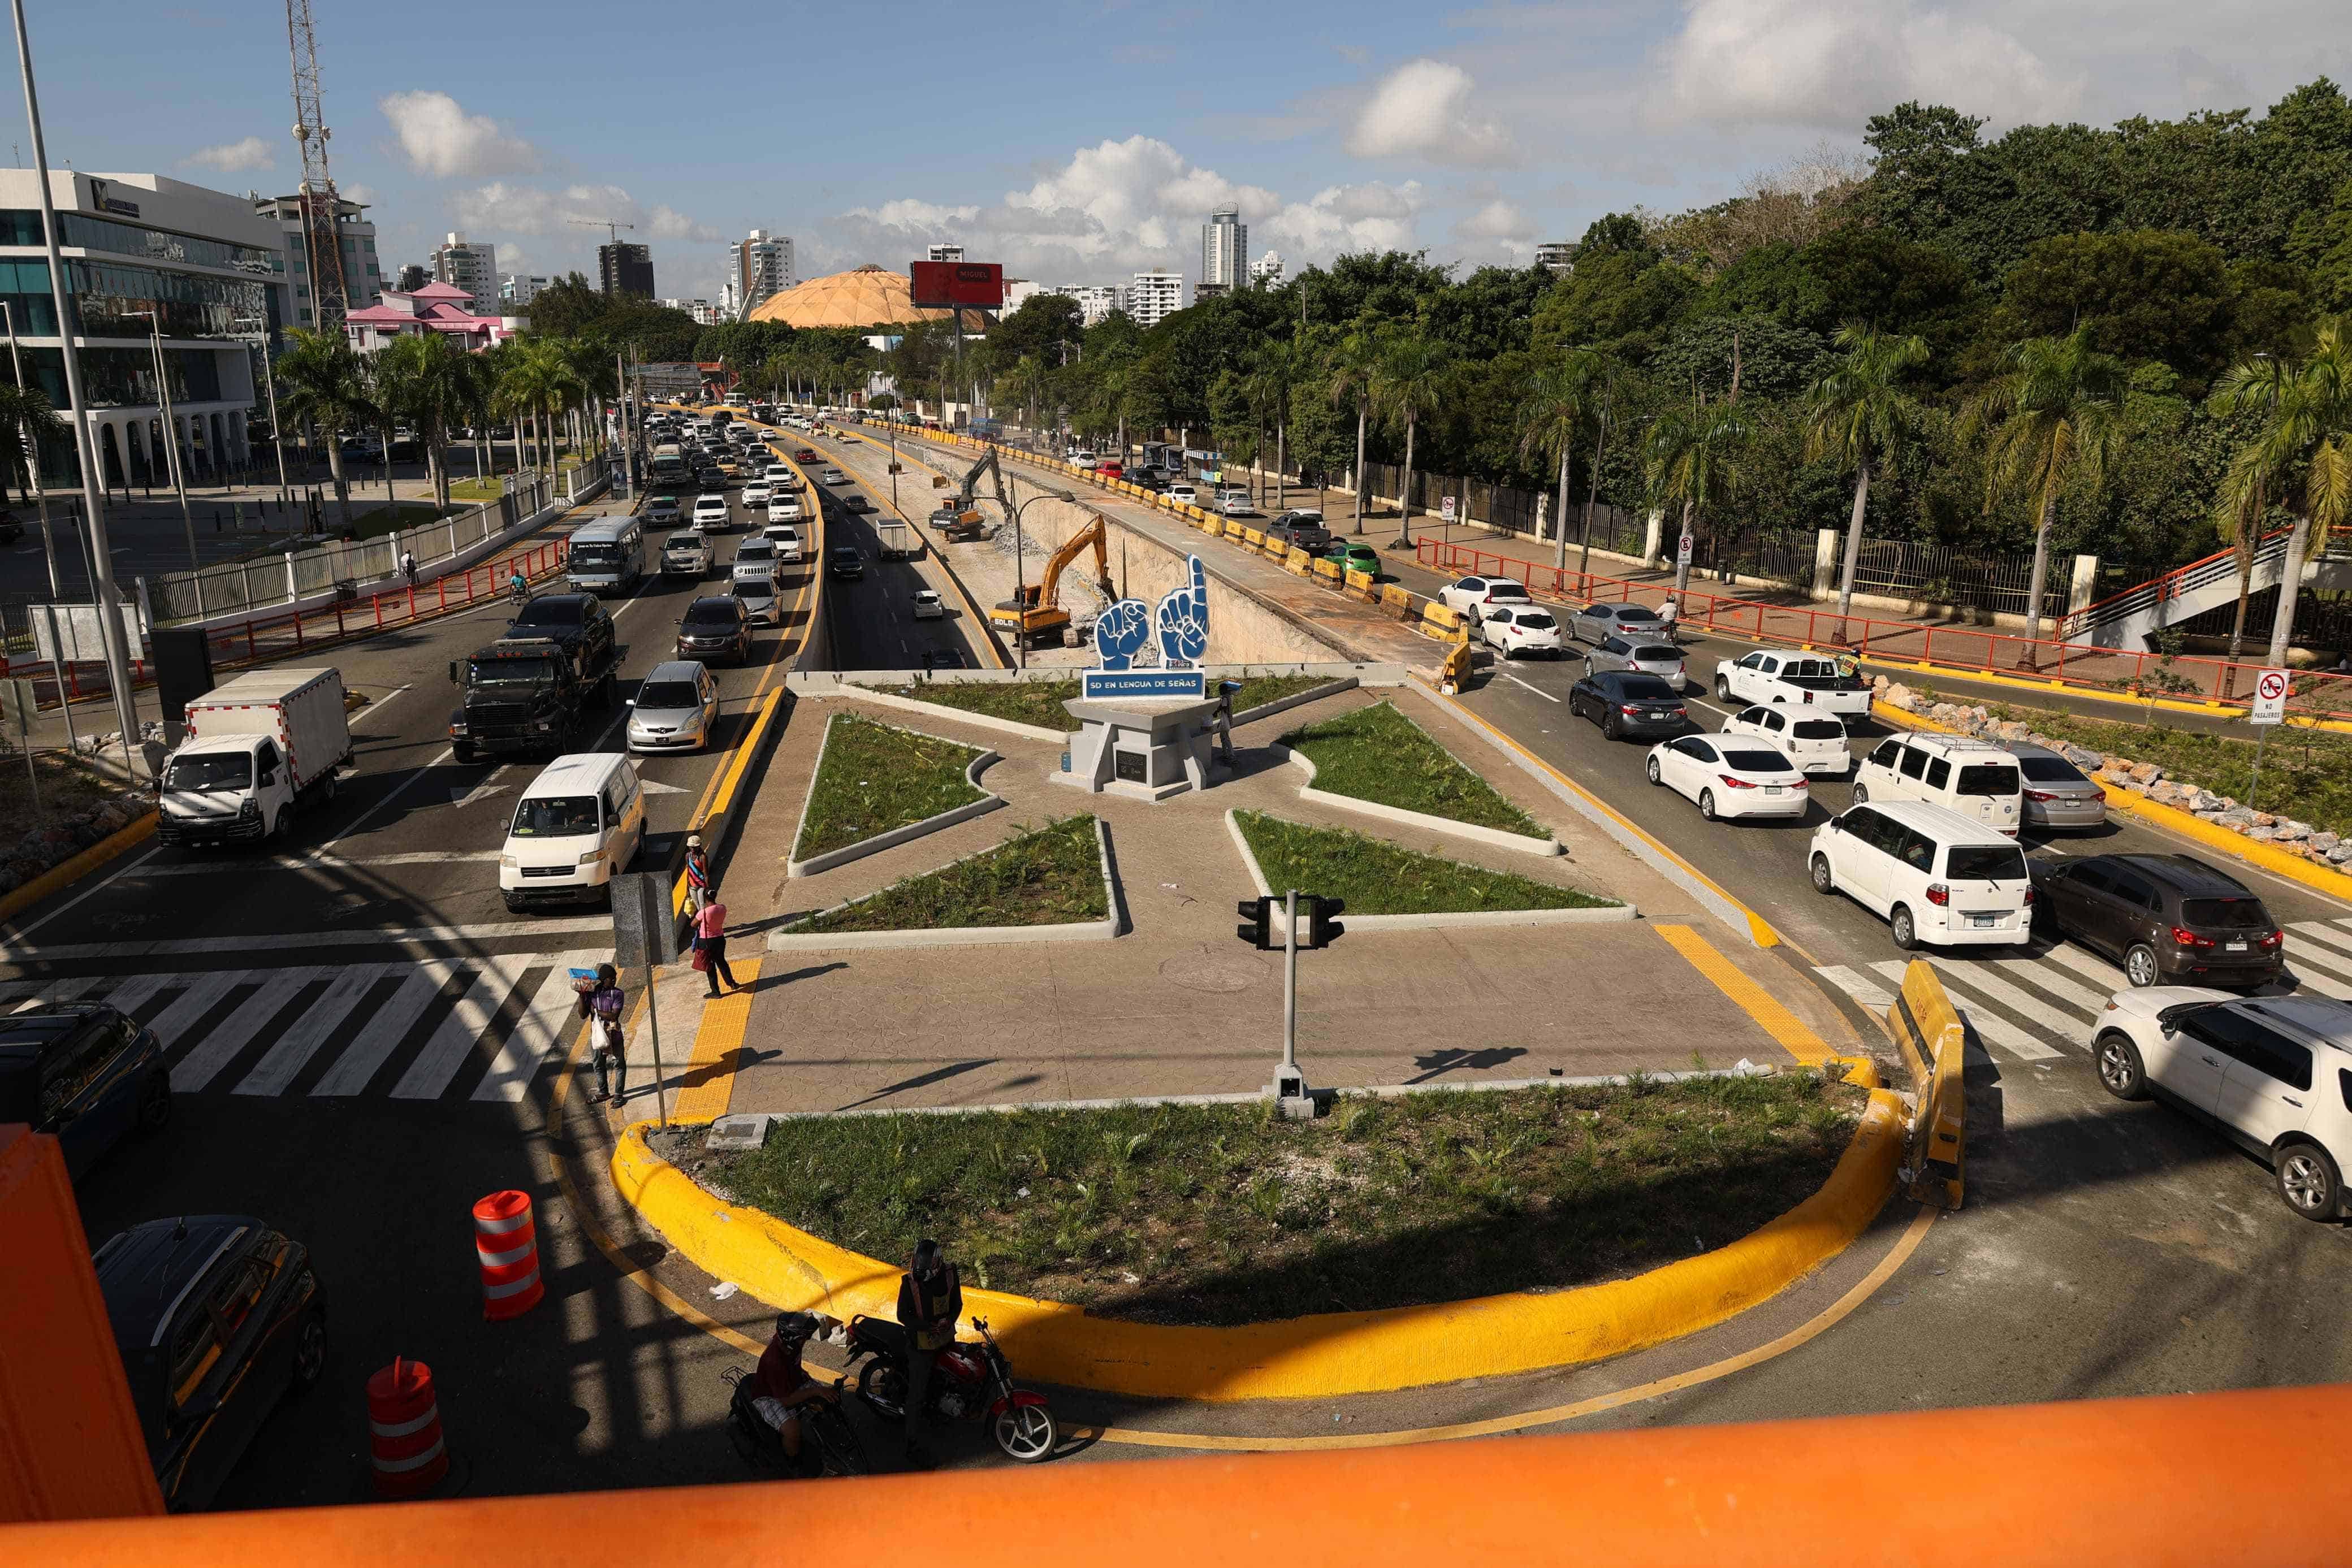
[2270, 698]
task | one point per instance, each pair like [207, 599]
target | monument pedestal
[1142, 747]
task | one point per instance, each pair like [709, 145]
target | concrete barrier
[1933, 1042]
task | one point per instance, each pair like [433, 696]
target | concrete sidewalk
[1177, 1004]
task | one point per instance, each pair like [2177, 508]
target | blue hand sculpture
[1120, 631]
[1184, 621]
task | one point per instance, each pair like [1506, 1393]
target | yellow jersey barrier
[1934, 1041]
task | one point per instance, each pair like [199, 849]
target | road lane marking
[284, 1061]
[1983, 1024]
[535, 1033]
[1857, 986]
[2083, 963]
[2324, 932]
[199, 998]
[15, 945]
[2324, 985]
[1969, 979]
[2043, 976]
[267, 942]
[237, 1031]
[137, 991]
[318, 862]
[453, 1040]
[397, 791]
[1517, 681]
[1791, 1031]
[383, 1032]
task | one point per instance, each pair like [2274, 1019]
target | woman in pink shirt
[710, 938]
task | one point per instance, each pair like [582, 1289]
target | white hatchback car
[757, 494]
[1471, 595]
[1738, 778]
[786, 539]
[831, 476]
[929, 606]
[2275, 1073]
[709, 514]
[1516, 631]
[1817, 746]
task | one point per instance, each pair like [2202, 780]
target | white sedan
[1817, 746]
[1517, 630]
[1236, 504]
[929, 606]
[756, 492]
[1183, 496]
[1729, 780]
[831, 476]
[1471, 595]
[784, 509]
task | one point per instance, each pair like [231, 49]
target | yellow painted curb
[67, 872]
[1320, 1357]
[2209, 709]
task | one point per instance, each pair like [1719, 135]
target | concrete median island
[1377, 755]
[1039, 703]
[1379, 879]
[1049, 877]
[877, 785]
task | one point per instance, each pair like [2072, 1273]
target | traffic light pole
[1289, 1073]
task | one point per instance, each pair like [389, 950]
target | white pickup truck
[259, 748]
[1794, 680]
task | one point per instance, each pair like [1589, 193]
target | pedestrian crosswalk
[2037, 1005]
[479, 1029]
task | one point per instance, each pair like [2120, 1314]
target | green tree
[2053, 417]
[323, 382]
[423, 379]
[1414, 378]
[1267, 388]
[2301, 455]
[1858, 412]
[26, 419]
[1697, 459]
[1355, 364]
[2146, 295]
[1583, 390]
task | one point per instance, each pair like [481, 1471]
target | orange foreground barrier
[2178, 1482]
[507, 1246]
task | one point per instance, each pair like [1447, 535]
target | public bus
[608, 555]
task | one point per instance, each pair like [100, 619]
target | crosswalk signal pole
[1288, 1082]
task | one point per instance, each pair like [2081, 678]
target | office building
[1224, 250]
[625, 269]
[363, 285]
[1096, 301]
[1019, 292]
[411, 279]
[518, 289]
[1559, 254]
[1154, 294]
[1267, 270]
[472, 269]
[146, 251]
[729, 306]
[760, 265]
[947, 253]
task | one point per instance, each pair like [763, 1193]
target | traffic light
[1323, 927]
[1257, 921]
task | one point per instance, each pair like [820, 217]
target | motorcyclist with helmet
[931, 1300]
[784, 1383]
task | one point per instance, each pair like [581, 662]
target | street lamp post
[278, 445]
[1020, 571]
[172, 446]
[32, 457]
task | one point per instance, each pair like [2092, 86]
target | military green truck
[525, 695]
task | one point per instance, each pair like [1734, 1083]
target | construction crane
[322, 239]
[1037, 614]
[961, 520]
[613, 233]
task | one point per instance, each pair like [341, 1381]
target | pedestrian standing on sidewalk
[710, 941]
[697, 873]
[601, 1003]
[408, 568]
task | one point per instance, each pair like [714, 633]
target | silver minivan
[1615, 652]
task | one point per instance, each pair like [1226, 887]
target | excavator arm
[1038, 610]
[968, 523]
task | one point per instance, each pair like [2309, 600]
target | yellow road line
[1757, 1002]
[709, 1078]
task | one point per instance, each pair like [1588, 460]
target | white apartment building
[1267, 270]
[704, 312]
[472, 268]
[1154, 294]
[947, 253]
[1559, 254]
[1096, 301]
[362, 284]
[758, 266]
[518, 289]
[1225, 250]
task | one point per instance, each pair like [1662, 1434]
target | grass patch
[1047, 876]
[488, 489]
[875, 777]
[392, 518]
[1379, 878]
[1377, 754]
[1040, 702]
[1226, 1213]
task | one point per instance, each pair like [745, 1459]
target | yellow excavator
[1037, 614]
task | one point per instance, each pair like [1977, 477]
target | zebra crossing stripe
[1861, 988]
[139, 990]
[193, 1003]
[2327, 958]
[285, 1061]
[454, 1040]
[382, 1033]
[1969, 979]
[2046, 978]
[534, 1035]
[2097, 969]
[2324, 933]
[2326, 985]
[234, 1032]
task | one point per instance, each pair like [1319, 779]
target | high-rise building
[1096, 301]
[1154, 294]
[363, 285]
[461, 264]
[947, 253]
[1559, 254]
[625, 269]
[1267, 270]
[761, 265]
[411, 279]
[518, 289]
[1225, 248]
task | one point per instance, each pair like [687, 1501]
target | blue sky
[1077, 143]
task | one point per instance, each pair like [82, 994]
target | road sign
[645, 931]
[1448, 512]
[1683, 550]
[2270, 698]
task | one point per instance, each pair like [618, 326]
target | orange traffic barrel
[405, 1430]
[507, 1246]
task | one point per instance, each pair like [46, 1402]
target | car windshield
[691, 544]
[710, 612]
[1988, 779]
[553, 613]
[1644, 688]
[2050, 771]
[755, 549]
[1818, 729]
[511, 671]
[753, 588]
[556, 817]
[2226, 913]
[210, 773]
[604, 552]
[1985, 863]
[1662, 654]
[667, 694]
[1536, 620]
[1756, 761]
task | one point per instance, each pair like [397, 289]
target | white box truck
[899, 541]
[259, 748]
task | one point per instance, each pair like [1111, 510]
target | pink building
[437, 308]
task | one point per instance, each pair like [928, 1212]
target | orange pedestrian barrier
[405, 1430]
[508, 1246]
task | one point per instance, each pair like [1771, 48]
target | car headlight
[511, 863]
[544, 724]
[592, 857]
[250, 808]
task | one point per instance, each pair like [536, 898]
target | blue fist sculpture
[1184, 621]
[1120, 632]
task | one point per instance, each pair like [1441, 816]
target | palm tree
[1354, 367]
[2301, 454]
[1584, 389]
[425, 381]
[1022, 383]
[1856, 411]
[322, 381]
[1109, 392]
[27, 418]
[1697, 458]
[1268, 387]
[1413, 378]
[2053, 416]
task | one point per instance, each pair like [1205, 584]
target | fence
[1940, 574]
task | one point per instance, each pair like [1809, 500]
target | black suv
[713, 626]
[577, 621]
[2169, 920]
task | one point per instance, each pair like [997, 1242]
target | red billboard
[974, 284]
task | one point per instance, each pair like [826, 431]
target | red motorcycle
[968, 1383]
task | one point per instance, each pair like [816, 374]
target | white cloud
[1828, 62]
[442, 139]
[1425, 109]
[1497, 220]
[499, 207]
[235, 157]
[668, 222]
[907, 213]
[366, 195]
[1342, 219]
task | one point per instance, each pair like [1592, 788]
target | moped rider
[784, 1383]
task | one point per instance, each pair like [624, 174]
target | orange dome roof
[866, 296]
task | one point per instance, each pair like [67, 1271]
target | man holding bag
[711, 943]
[601, 1003]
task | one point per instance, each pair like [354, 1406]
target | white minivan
[1938, 877]
[1966, 775]
[579, 822]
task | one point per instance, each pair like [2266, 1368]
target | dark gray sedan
[2057, 793]
[1626, 703]
[1595, 622]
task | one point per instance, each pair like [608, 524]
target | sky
[1077, 143]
